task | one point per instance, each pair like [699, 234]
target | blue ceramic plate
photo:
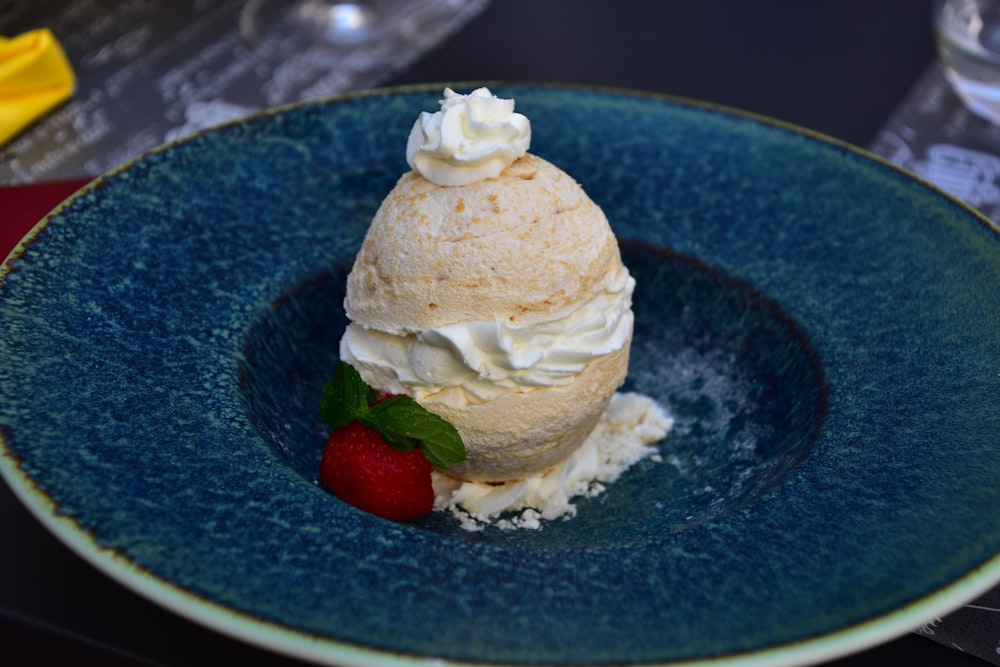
[823, 327]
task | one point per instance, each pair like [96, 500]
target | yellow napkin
[34, 77]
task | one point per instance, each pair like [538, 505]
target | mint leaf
[406, 424]
[344, 397]
[400, 420]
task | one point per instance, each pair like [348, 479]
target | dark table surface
[837, 67]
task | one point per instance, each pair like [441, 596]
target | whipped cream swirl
[479, 361]
[473, 137]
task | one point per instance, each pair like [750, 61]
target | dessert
[490, 290]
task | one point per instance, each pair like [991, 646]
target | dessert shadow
[736, 373]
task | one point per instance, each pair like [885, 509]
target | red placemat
[24, 205]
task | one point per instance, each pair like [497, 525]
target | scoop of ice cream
[472, 137]
[501, 305]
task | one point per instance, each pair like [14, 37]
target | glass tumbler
[968, 41]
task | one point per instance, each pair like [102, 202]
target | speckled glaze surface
[825, 328]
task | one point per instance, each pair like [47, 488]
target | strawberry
[361, 469]
[379, 455]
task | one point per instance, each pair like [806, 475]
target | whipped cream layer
[472, 137]
[480, 361]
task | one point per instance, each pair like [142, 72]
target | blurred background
[835, 67]
[152, 70]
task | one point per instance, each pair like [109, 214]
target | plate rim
[275, 637]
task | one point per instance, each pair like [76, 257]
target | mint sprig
[402, 422]
[344, 397]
